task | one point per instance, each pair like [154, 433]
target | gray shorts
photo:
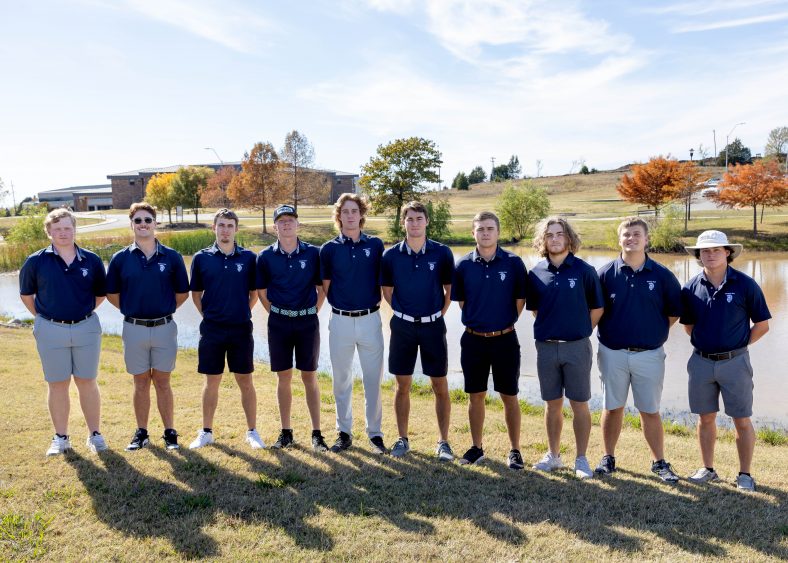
[620, 369]
[68, 349]
[564, 369]
[732, 378]
[147, 348]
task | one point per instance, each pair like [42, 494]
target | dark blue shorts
[218, 340]
[407, 339]
[478, 355]
[293, 334]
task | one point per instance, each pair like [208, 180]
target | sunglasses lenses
[148, 220]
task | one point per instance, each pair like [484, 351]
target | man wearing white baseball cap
[718, 306]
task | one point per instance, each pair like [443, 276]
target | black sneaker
[344, 441]
[139, 440]
[377, 446]
[664, 471]
[515, 460]
[285, 440]
[474, 455]
[171, 439]
[318, 443]
[606, 466]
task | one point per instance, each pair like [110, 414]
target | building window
[131, 182]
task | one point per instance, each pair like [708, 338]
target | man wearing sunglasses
[147, 281]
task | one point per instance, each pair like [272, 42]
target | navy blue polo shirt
[637, 304]
[562, 298]
[225, 280]
[354, 271]
[417, 277]
[489, 290]
[147, 288]
[289, 279]
[63, 292]
[721, 317]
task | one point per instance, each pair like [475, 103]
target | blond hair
[56, 215]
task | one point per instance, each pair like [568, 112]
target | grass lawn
[226, 501]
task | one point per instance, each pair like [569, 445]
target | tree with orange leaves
[258, 186]
[690, 178]
[653, 184]
[215, 192]
[751, 185]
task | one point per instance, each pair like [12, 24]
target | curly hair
[142, 206]
[540, 235]
[360, 200]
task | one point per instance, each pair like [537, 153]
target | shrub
[665, 233]
[440, 219]
[30, 228]
[521, 207]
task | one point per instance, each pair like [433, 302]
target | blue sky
[91, 87]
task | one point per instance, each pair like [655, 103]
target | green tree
[514, 167]
[584, 170]
[500, 173]
[737, 154]
[521, 207]
[188, 184]
[159, 193]
[460, 181]
[439, 210]
[477, 176]
[400, 172]
[299, 153]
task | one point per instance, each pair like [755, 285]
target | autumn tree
[299, 154]
[215, 192]
[258, 186]
[752, 185]
[477, 176]
[159, 193]
[653, 184]
[689, 181]
[400, 171]
[188, 184]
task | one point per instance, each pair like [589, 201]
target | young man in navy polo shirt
[718, 306]
[224, 291]
[490, 286]
[566, 299]
[147, 281]
[61, 285]
[642, 301]
[350, 268]
[416, 277]
[289, 286]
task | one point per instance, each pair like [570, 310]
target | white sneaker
[203, 439]
[254, 440]
[549, 462]
[96, 443]
[59, 445]
[582, 469]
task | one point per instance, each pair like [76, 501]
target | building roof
[65, 192]
[94, 190]
[214, 165]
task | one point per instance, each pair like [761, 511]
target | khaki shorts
[68, 349]
[146, 348]
[643, 371]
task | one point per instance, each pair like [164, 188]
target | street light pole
[492, 172]
[216, 153]
[726, 142]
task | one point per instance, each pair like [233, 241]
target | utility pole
[13, 197]
[714, 132]
[492, 172]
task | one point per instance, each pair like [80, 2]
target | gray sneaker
[703, 475]
[745, 483]
[443, 451]
[664, 471]
[96, 443]
[400, 448]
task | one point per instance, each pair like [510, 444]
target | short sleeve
[387, 269]
[326, 255]
[99, 277]
[520, 279]
[458, 284]
[181, 278]
[687, 311]
[756, 303]
[113, 274]
[673, 306]
[532, 292]
[316, 277]
[594, 296]
[196, 283]
[447, 268]
[263, 276]
[27, 276]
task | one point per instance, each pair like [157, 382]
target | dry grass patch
[227, 501]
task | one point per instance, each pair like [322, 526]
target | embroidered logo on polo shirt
[366, 252]
[503, 275]
[239, 267]
[84, 272]
[729, 297]
[162, 266]
[432, 265]
[572, 282]
[303, 264]
[651, 285]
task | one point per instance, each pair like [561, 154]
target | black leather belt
[719, 356]
[489, 334]
[65, 322]
[359, 313]
[633, 349]
[148, 322]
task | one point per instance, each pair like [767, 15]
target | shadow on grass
[416, 494]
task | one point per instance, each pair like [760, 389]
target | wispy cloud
[704, 7]
[227, 24]
[725, 24]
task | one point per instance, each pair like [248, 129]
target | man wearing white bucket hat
[718, 306]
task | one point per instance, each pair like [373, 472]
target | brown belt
[490, 334]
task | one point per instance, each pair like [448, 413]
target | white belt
[410, 319]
